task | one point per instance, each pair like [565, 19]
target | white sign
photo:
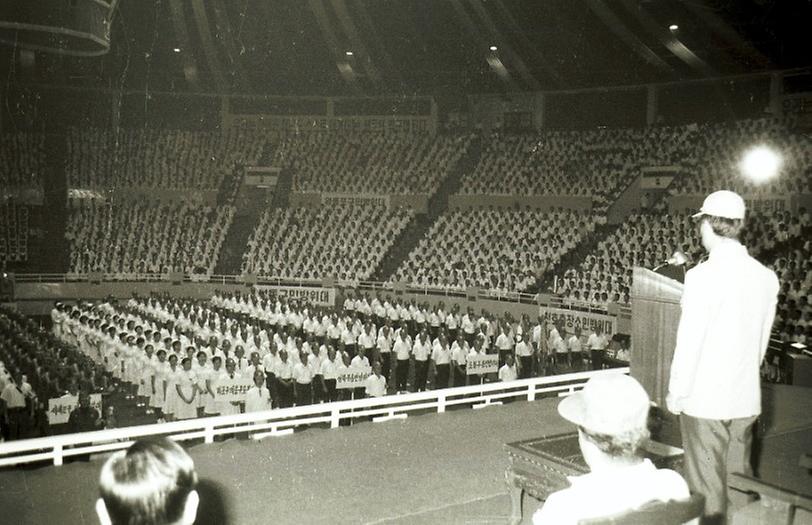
[352, 377]
[315, 294]
[586, 321]
[482, 364]
[59, 408]
[233, 389]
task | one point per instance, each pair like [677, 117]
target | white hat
[609, 404]
[723, 203]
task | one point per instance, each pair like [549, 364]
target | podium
[655, 318]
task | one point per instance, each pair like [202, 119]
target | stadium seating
[137, 237]
[502, 250]
[386, 163]
[22, 157]
[13, 233]
[347, 242]
[148, 158]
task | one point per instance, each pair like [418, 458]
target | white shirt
[375, 386]
[597, 342]
[611, 492]
[508, 373]
[360, 361]
[728, 307]
[303, 374]
[257, 399]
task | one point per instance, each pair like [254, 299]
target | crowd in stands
[597, 164]
[22, 157]
[793, 319]
[13, 232]
[504, 250]
[150, 158]
[647, 240]
[146, 237]
[379, 163]
[715, 158]
[344, 241]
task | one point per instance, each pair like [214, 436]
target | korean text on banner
[573, 319]
[233, 389]
[353, 377]
[482, 364]
[59, 408]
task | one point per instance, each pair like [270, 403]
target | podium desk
[540, 466]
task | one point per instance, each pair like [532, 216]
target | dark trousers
[503, 357]
[443, 376]
[421, 370]
[328, 391]
[526, 362]
[597, 359]
[285, 393]
[385, 363]
[402, 375]
[350, 349]
[459, 377]
[17, 422]
[304, 394]
[270, 382]
[713, 449]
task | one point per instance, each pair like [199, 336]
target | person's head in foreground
[152, 482]
[720, 218]
[611, 413]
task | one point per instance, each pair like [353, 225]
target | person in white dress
[170, 381]
[212, 407]
[186, 389]
[258, 398]
[158, 383]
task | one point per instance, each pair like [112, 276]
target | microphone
[678, 258]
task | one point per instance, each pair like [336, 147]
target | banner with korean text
[352, 377]
[233, 389]
[59, 408]
[573, 319]
[482, 364]
[315, 294]
[343, 199]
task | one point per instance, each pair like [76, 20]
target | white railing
[283, 421]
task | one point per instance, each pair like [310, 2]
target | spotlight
[673, 27]
[493, 48]
[176, 50]
[348, 53]
[760, 164]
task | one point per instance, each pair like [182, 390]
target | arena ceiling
[373, 47]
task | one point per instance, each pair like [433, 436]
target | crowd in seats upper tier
[139, 237]
[14, 228]
[346, 242]
[499, 249]
[160, 159]
[385, 163]
[22, 160]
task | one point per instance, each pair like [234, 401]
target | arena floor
[435, 468]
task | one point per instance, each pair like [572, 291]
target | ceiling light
[673, 27]
[348, 53]
[176, 50]
[493, 48]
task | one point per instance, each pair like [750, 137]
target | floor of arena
[434, 468]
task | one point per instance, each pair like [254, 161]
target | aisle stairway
[420, 223]
[48, 253]
[250, 202]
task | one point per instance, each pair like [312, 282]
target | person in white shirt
[507, 372]
[441, 357]
[611, 414]
[728, 306]
[402, 350]
[303, 375]
[524, 355]
[504, 344]
[597, 344]
[284, 380]
[385, 349]
[258, 397]
[575, 349]
[329, 372]
[421, 350]
[459, 360]
[375, 384]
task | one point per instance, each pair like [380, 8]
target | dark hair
[148, 483]
[724, 227]
[623, 445]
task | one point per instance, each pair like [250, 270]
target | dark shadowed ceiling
[372, 47]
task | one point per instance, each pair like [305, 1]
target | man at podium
[728, 306]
